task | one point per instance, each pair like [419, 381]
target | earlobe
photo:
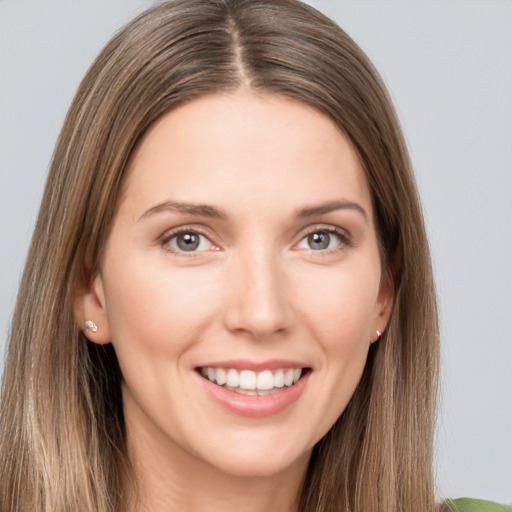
[378, 334]
[90, 311]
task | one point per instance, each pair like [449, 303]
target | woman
[228, 300]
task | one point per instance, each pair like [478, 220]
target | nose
[258, 301]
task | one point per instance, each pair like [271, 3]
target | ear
[384, 304]
[89, 305]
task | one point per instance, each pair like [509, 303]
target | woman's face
[243, 256]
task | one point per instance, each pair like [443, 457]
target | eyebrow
[330, 207]
[200, 210]
[212, 212]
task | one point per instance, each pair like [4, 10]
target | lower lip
[253, 405]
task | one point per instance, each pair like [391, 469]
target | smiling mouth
[249, 382]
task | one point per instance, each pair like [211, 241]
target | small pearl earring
[91, 325]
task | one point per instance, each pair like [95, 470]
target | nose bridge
[259, 301]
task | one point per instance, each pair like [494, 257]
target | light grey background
[448, 65]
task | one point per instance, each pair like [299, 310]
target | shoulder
[470, 505]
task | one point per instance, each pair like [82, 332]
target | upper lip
[256, 366]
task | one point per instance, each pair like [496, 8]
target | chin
[258, 458]
[262, 465]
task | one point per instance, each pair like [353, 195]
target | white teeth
[265, 380]
[232, 379]
[288, 377]
[220, 376]
[279, 379]
[248, 382]
[243, 391]
[247, 379]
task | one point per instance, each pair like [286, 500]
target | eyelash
[344, 237]
[169, 235]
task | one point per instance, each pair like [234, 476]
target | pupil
[319, 240]
[188, 242]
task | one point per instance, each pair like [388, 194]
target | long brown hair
[62, 444]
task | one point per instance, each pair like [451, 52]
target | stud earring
[379, 334]
[91, 325]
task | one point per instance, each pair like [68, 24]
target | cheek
[338, 310]
[158, 304]
[340, 304]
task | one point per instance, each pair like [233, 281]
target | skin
[254, 289]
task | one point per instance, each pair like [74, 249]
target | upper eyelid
[172, 232]
[164, 242]
[325, 227]
[346, 239]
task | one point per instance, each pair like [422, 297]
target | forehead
[268, 150]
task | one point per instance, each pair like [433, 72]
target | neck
[170, 479]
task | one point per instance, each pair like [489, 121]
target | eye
[323, 240]
[188, 241]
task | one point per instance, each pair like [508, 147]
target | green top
[469, 505]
